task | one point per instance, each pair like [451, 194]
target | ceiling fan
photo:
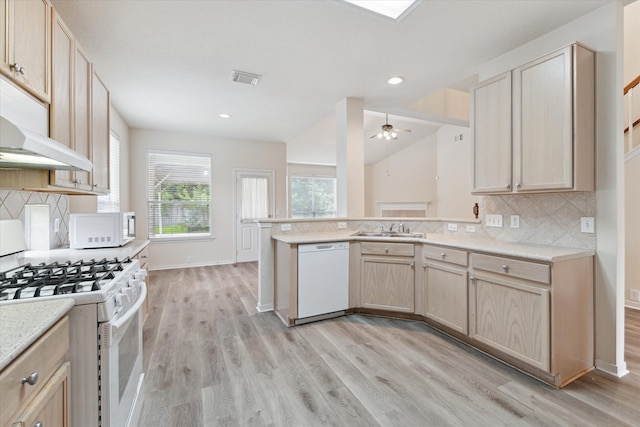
[388, 132]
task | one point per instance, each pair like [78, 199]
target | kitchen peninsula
[530, 306]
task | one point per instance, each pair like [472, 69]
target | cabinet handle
[32, 379]
[443, 255]
[386, 250]
[508, 186]
[505, 267]
[413, 265]
[518, 185]
[95, 185]
[39, 424]
[424, 265]
[18, 69]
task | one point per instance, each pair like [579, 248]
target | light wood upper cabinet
[551, 131]
[491, 125]
[79, 112]
[100, 134]
[26, 45]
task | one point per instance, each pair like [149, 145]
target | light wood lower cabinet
[532, 312]
[35, 386]
[513, 317]
[445, 287]
[387, 273]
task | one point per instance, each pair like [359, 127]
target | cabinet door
[61, 111]
[543, 123]
[446, 296]
[512, 317]
[51, 406]
[387, 283]
[100, 134]
[82, 116]
[29, 26]
[4, 41]
[491, 125]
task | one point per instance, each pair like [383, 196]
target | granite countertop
[21, 324]
[544, 253]
[65, 254]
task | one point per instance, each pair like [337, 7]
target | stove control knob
[141, 274]
[122, 300]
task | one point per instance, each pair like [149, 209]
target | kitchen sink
[391, 234]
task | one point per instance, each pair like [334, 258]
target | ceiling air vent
[243, 77]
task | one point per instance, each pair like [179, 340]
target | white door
[254, 200]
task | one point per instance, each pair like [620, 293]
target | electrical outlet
[587, 224]
[470, 228]
[634, 295]
[452, 227]
[493, 221]
[342, 225]
[56, 224]
[188, 260]
[515, 221]
[285, 227]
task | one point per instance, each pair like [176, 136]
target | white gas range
[105, 323]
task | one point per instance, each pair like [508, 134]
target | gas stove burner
[59, 278]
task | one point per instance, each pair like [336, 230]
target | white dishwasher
[323, 278]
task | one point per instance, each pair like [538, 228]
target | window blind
[178, 194]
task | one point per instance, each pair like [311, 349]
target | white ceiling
[168, 63]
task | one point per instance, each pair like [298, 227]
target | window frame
[174, 237]
[313, 177]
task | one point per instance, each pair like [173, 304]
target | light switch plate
[493, 221]
[452, 227]
[587, 224]
[470, 228]
[285, 227]
[342, 225]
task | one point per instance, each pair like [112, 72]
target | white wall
[406, 176]
[227, 155]
[454, 174]
[601, 30]
[632, 165]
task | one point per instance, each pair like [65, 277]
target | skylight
[393, 9]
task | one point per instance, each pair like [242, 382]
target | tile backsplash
[12, 206]
[549, 219]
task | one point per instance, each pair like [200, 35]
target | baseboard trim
[262, 308]
[617, 371]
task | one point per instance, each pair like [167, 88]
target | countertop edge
[21, 324]
[542, 253]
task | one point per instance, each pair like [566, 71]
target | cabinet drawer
[454, 256]
[512, 267]
[398, 249]
[44, 357]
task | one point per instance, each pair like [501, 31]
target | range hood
[21, 148]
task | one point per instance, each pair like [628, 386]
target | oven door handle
[121, 322]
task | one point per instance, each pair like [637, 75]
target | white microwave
[101, 230]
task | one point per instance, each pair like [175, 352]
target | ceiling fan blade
[401, 130]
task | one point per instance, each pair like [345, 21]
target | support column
[350, 157]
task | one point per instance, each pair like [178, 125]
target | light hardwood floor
[212, 360]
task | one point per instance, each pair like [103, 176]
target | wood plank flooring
[212, 360]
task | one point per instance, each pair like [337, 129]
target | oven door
[121, 364]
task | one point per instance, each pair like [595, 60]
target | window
[313, 197]
[111, 202]
[178, 195]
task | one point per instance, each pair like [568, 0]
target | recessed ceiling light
[246, 78]
[395, 80]
[225, 115]
[394, 9]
